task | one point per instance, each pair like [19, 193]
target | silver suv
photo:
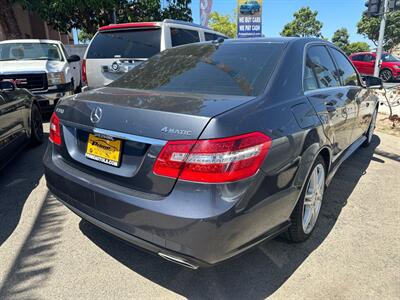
[117, 48]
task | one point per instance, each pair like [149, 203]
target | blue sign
[249, 18]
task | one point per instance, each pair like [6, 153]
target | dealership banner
[205, 10]
[249, 18]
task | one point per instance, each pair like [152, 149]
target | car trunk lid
[143, 121]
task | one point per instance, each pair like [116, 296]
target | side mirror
[73, 58]
[373, 82]
[7, 85]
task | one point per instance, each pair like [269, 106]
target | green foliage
[223, 23]
[357, 47]
[304, 24]
[341, 38]
[369, 27]
[83, 36]
[88, 15]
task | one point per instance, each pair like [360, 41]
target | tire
[73, 86]
[370, 132]
[36, 126]
[309, 205]
[386, 75]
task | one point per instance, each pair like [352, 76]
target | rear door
[323, 88]
[113, 53]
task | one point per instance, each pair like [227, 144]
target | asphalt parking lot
[46, 252]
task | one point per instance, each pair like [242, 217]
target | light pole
[381, 38]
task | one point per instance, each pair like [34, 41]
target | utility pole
[114, 16]
[381, 38]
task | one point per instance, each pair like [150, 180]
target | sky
[276, 13]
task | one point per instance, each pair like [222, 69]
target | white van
[117, 48]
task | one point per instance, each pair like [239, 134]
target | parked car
[365, 63]
[41, 66]
[20, 121]
[117, 48]
[206, 150]
[250, 7]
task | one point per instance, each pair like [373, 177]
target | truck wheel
[305, 214]
[36, 126]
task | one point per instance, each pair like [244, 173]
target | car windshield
[207, 68]
[138, 43]
[30, 51]
[389, 58]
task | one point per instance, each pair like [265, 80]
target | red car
[365, 61]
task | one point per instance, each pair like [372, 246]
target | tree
[88, 15]
[369, 27]
[305, 24]
[341, 38]
[357, 47]
[223, 23]
[8, 21]
[84, 37]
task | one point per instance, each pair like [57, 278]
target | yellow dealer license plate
[104, 149]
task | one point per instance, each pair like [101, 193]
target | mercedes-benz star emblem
[96, 114]
[115, 66]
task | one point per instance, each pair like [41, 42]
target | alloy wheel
[313, 198]
[386, 75]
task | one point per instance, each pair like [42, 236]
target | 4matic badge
[176, 131]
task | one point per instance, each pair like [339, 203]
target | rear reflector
[84, 77]
[55, 132]
[213, 161]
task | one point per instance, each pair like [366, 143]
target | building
[31, 26]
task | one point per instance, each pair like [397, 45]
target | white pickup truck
[41, 66]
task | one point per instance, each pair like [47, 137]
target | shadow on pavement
[17, 180]
[256, 274]
[34, 262]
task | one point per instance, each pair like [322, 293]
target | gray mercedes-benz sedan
[208, 149]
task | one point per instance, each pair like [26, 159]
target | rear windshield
[138, 43]
[207, 68]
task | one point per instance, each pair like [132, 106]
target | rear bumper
[204, 232]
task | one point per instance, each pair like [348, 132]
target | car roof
[30, 41]
[370, 52]
[149, 24]
[283, 40]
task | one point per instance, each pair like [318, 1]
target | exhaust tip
[178, 260]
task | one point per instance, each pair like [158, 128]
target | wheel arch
[308, 159]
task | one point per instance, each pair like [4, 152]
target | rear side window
[138, 43]
[369, 57]
[321, 65]
[212, 36]
[181, 36]
[358, 57]
[346, 70]
[224, 69]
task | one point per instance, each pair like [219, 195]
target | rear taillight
[84, 77]
[55, 132]
[214, 161]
